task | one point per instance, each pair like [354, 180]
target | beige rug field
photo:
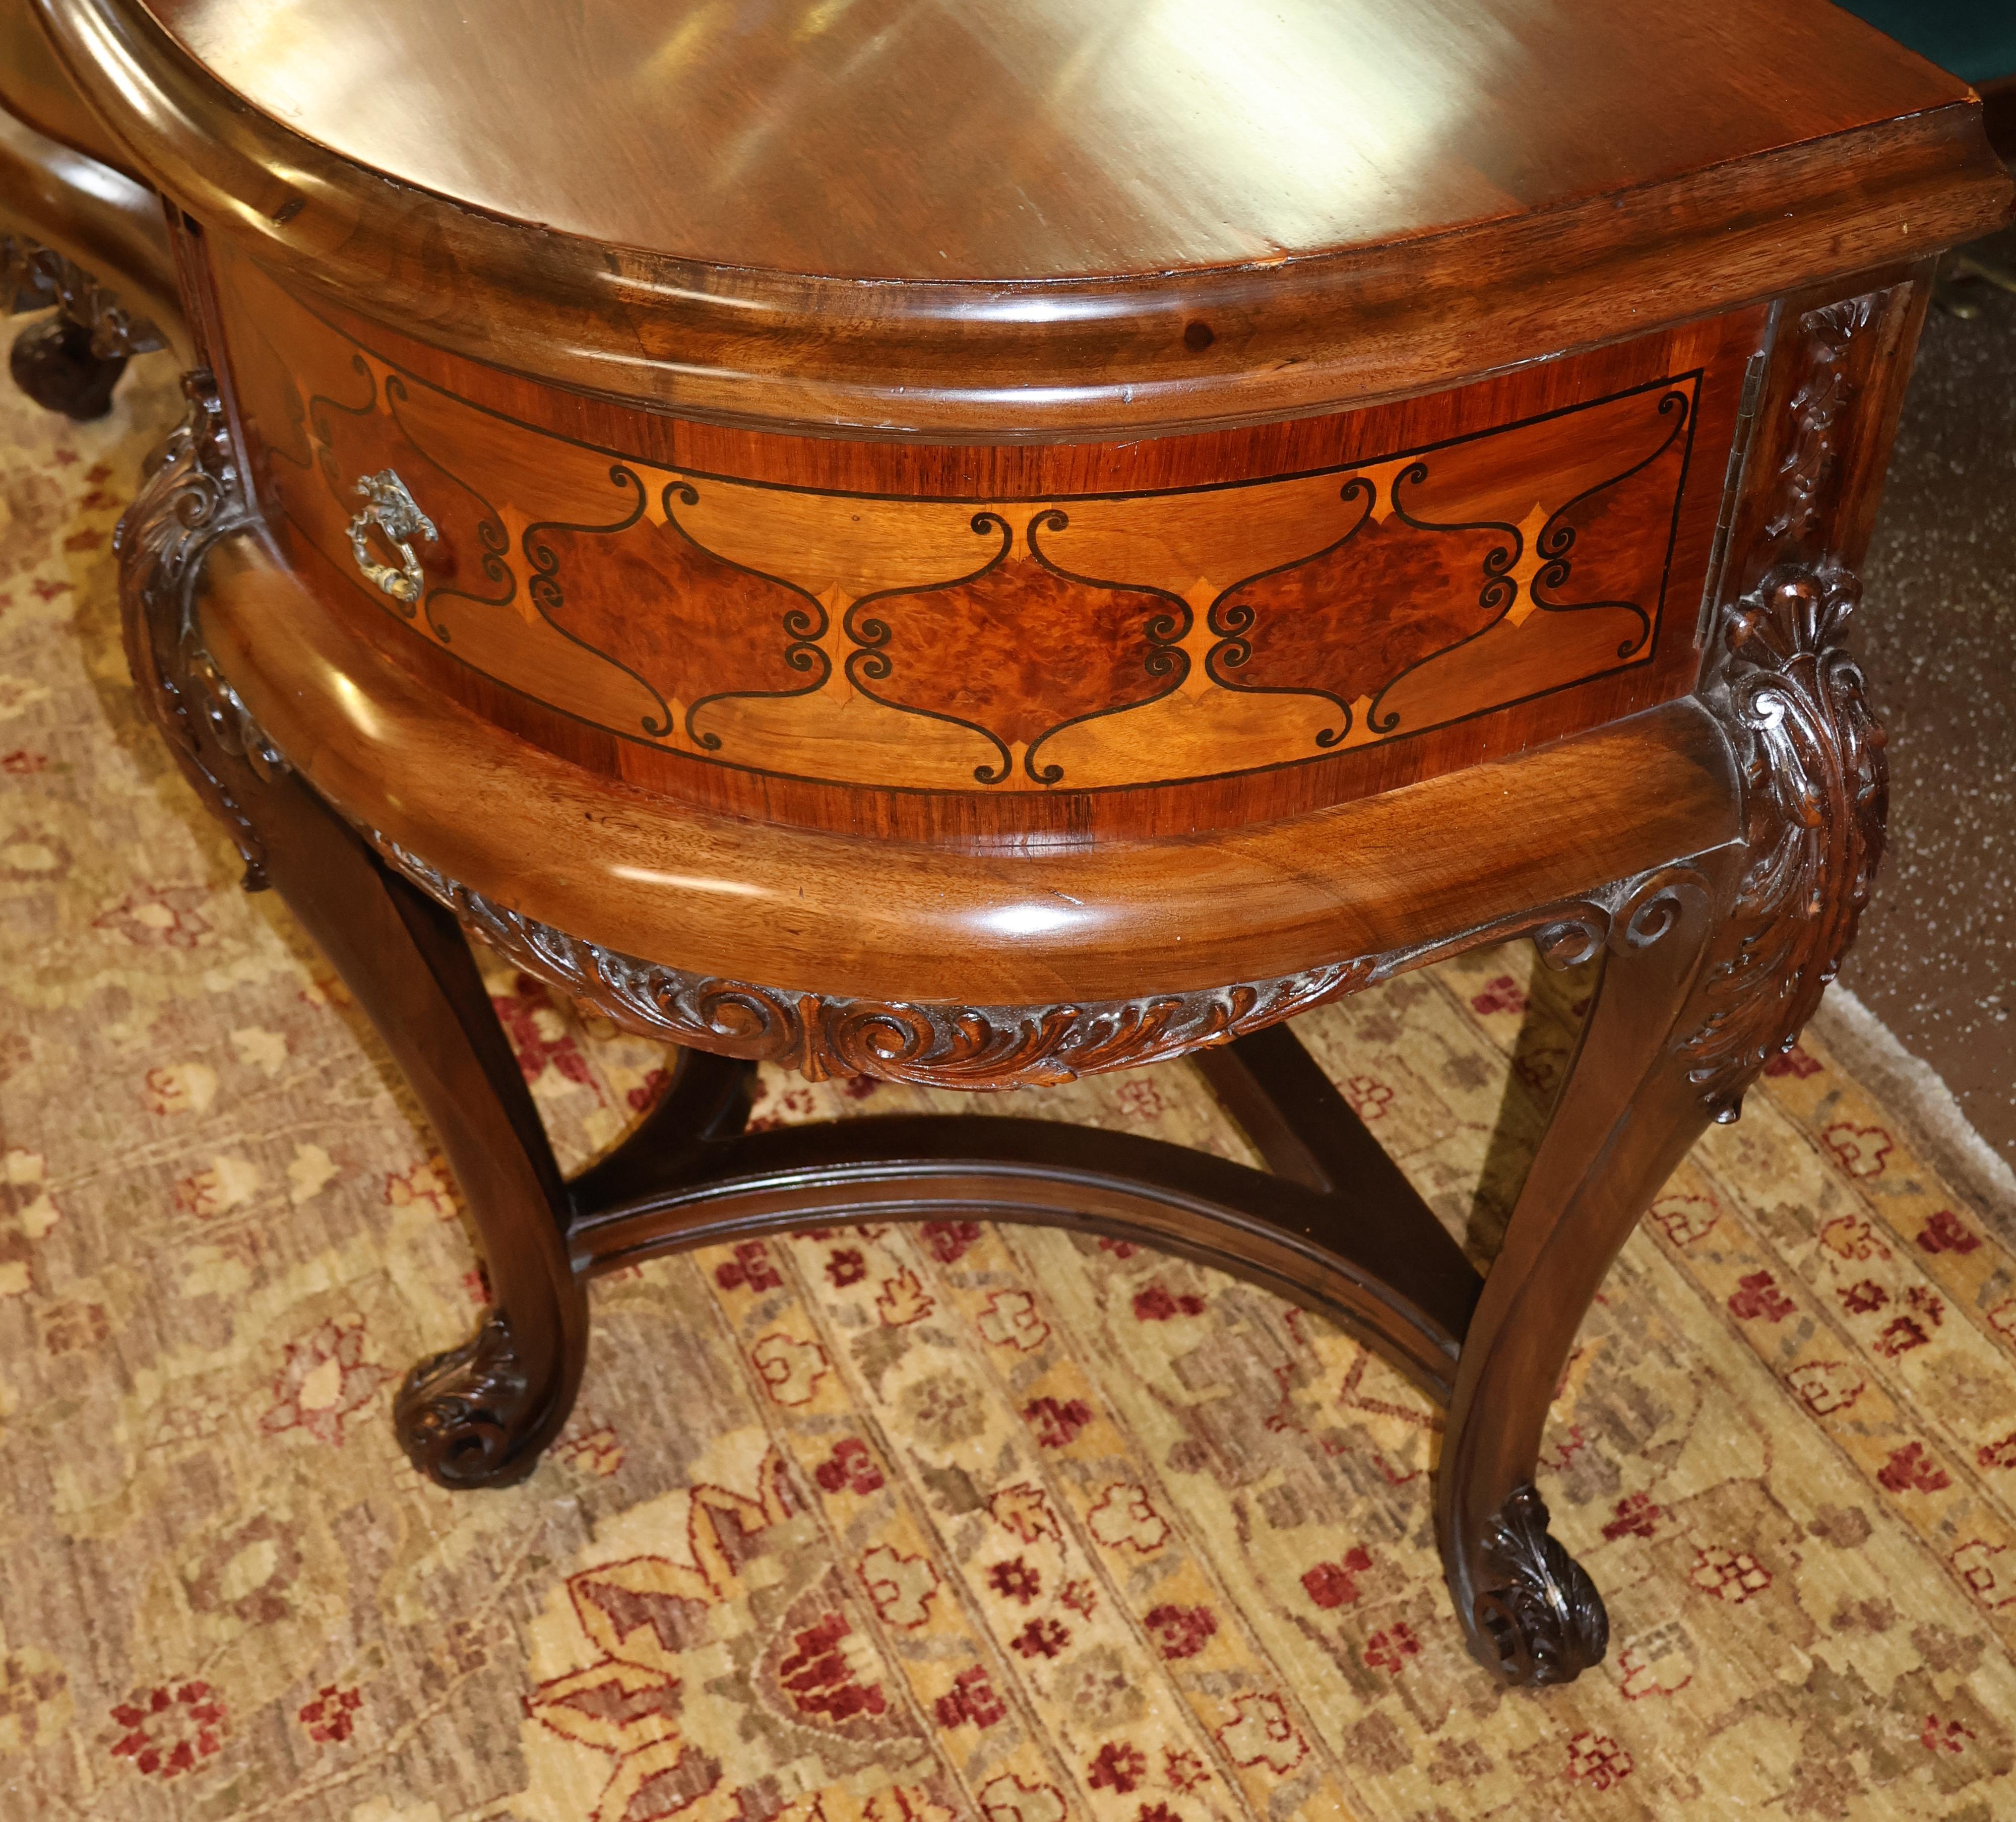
[896, 1524]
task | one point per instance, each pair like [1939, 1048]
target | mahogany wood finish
[1614, 220]
[755, 638]
[983, 545]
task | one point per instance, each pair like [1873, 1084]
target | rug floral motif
[897, 1525]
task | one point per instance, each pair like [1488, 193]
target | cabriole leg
[1627, 1113]
[1712, 971]
[479, 1415]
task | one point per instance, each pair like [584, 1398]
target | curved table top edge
[969, 361]
[650, 876]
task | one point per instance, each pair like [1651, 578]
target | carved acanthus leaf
[1538, 1610]
[457, 1411]
[35, 277]
[1824, 393]
[823, 1035]
[194, 497]
[1817, 789]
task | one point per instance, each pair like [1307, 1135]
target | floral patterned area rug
[889, 1525]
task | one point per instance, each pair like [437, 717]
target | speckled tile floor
[1936, 961]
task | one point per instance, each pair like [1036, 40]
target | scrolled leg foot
[1538, 1618]
[52, 363]
[462, 1415]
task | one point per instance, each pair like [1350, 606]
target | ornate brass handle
[391, 508]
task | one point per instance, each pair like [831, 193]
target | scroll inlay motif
[1081, 642]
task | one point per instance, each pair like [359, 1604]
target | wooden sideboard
[980, 545]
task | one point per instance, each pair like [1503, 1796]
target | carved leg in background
[479, 1415]
[52, 363]
[71, 361]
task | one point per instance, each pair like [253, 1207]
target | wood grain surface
[943, 619]
[1010, 139]
[1038, 921]
[1473, 227]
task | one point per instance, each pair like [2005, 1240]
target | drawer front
[1058, 642]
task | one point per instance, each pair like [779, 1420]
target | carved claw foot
[460, 1414]
[1538, 1618]
[52, 363]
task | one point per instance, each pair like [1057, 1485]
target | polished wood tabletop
[995, 221]
[925, 139]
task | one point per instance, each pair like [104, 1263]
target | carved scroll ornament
[1541, 1614]
[945, 1046]
[194, 497]
[1817, 790]
[824, 1035]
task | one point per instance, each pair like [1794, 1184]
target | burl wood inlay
[694, 628]
[1020, 649]
[1078, 642]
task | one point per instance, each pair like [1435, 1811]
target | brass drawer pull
[391, 508]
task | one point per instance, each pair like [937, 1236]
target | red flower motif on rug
[1056, 1424]
[2002, 1454]
[1391, 1648]
[1912, 1469]
[1157, 1305]
[1757, 1294]
[1636, 1517]
[947, 1240]
[1334, 1584]
[850, 1466]
[169, 1729]
[1143, 1100]
[539, 1034]
[971, 1700]
[1015, 1580]
[329, 1717]
[1597, 1759]
[1181, 1632]
[325, 1380]
[1117, 1766]
[1042, 1638]
[751, 1269]
[1080, 1596]
[1938, 1736]
[1501, 995]
[1944, 1233]
[817, 1676]
[1899, 1336]
[845, 1266]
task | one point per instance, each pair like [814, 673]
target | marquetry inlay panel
[1078, 641]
